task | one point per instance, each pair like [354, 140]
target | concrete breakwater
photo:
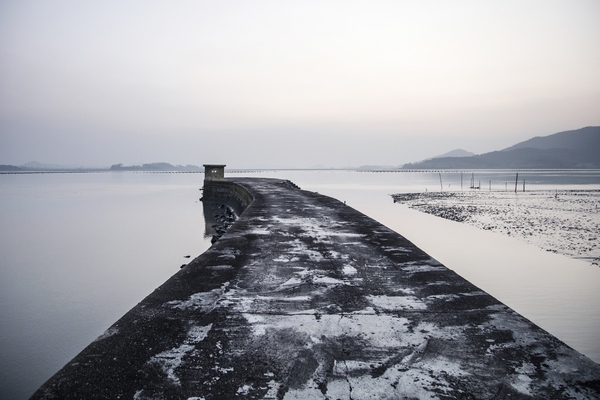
[304, 297]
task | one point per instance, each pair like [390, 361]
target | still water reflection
[79, 250]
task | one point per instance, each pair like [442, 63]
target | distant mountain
[39, 165]
[584, 139]
[4, 167]
[377, 168]
[455, 153]
[569, 150]
[159, 166]
[34, 166]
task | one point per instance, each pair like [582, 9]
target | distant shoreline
[21, 170]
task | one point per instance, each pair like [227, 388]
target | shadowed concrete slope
[306, 298]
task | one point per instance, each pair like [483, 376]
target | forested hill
[570, 149]
[159, 166]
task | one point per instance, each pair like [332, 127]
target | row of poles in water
[479, 185]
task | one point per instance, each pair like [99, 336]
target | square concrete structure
[214, 172]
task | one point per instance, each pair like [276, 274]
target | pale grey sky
[281, 83]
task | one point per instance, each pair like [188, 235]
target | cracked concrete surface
[306, 298]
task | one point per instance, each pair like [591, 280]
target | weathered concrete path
[306, 298]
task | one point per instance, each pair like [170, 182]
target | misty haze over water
[270, 84]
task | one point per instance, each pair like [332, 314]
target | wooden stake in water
[516, 182]
[441, 187]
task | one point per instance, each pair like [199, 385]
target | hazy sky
[282, 83]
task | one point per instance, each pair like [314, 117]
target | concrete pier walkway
[306, 298]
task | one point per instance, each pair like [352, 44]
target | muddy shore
[560, 221]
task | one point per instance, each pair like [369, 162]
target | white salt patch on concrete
[253, 318]
[227, 256]
[337, 256]
[196, 334]
[285, 259]
[238, 300]
[318, 228]
[338, 389]
[273, 389]
[347, 367]
[446, 297]
[326, 280]
[364, 311]
[257, 322]
[398, 249]
[477, 293]
[396, 303]
[411, 384]
[204, 301]
[292, 282]
[378, 330]
[171, 359]
[354, 244]
[295, 298]
[442, 365]
[423, 268]
[526, 368]
[260, 231]
[349, 270]
[314, 255]
[108, 333]
[244, 389]
[310, 391]
[521, 383]
[300, 249]
[302, 271]
[220, 267]
[344, 234]
[198, 300]
[520, 329]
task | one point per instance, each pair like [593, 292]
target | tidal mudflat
[560, 221]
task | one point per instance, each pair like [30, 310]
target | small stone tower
[213, 172]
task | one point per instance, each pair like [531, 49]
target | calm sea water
[77, 251]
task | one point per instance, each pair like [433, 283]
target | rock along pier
[305, 298]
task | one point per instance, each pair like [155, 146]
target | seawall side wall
[234, 195]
